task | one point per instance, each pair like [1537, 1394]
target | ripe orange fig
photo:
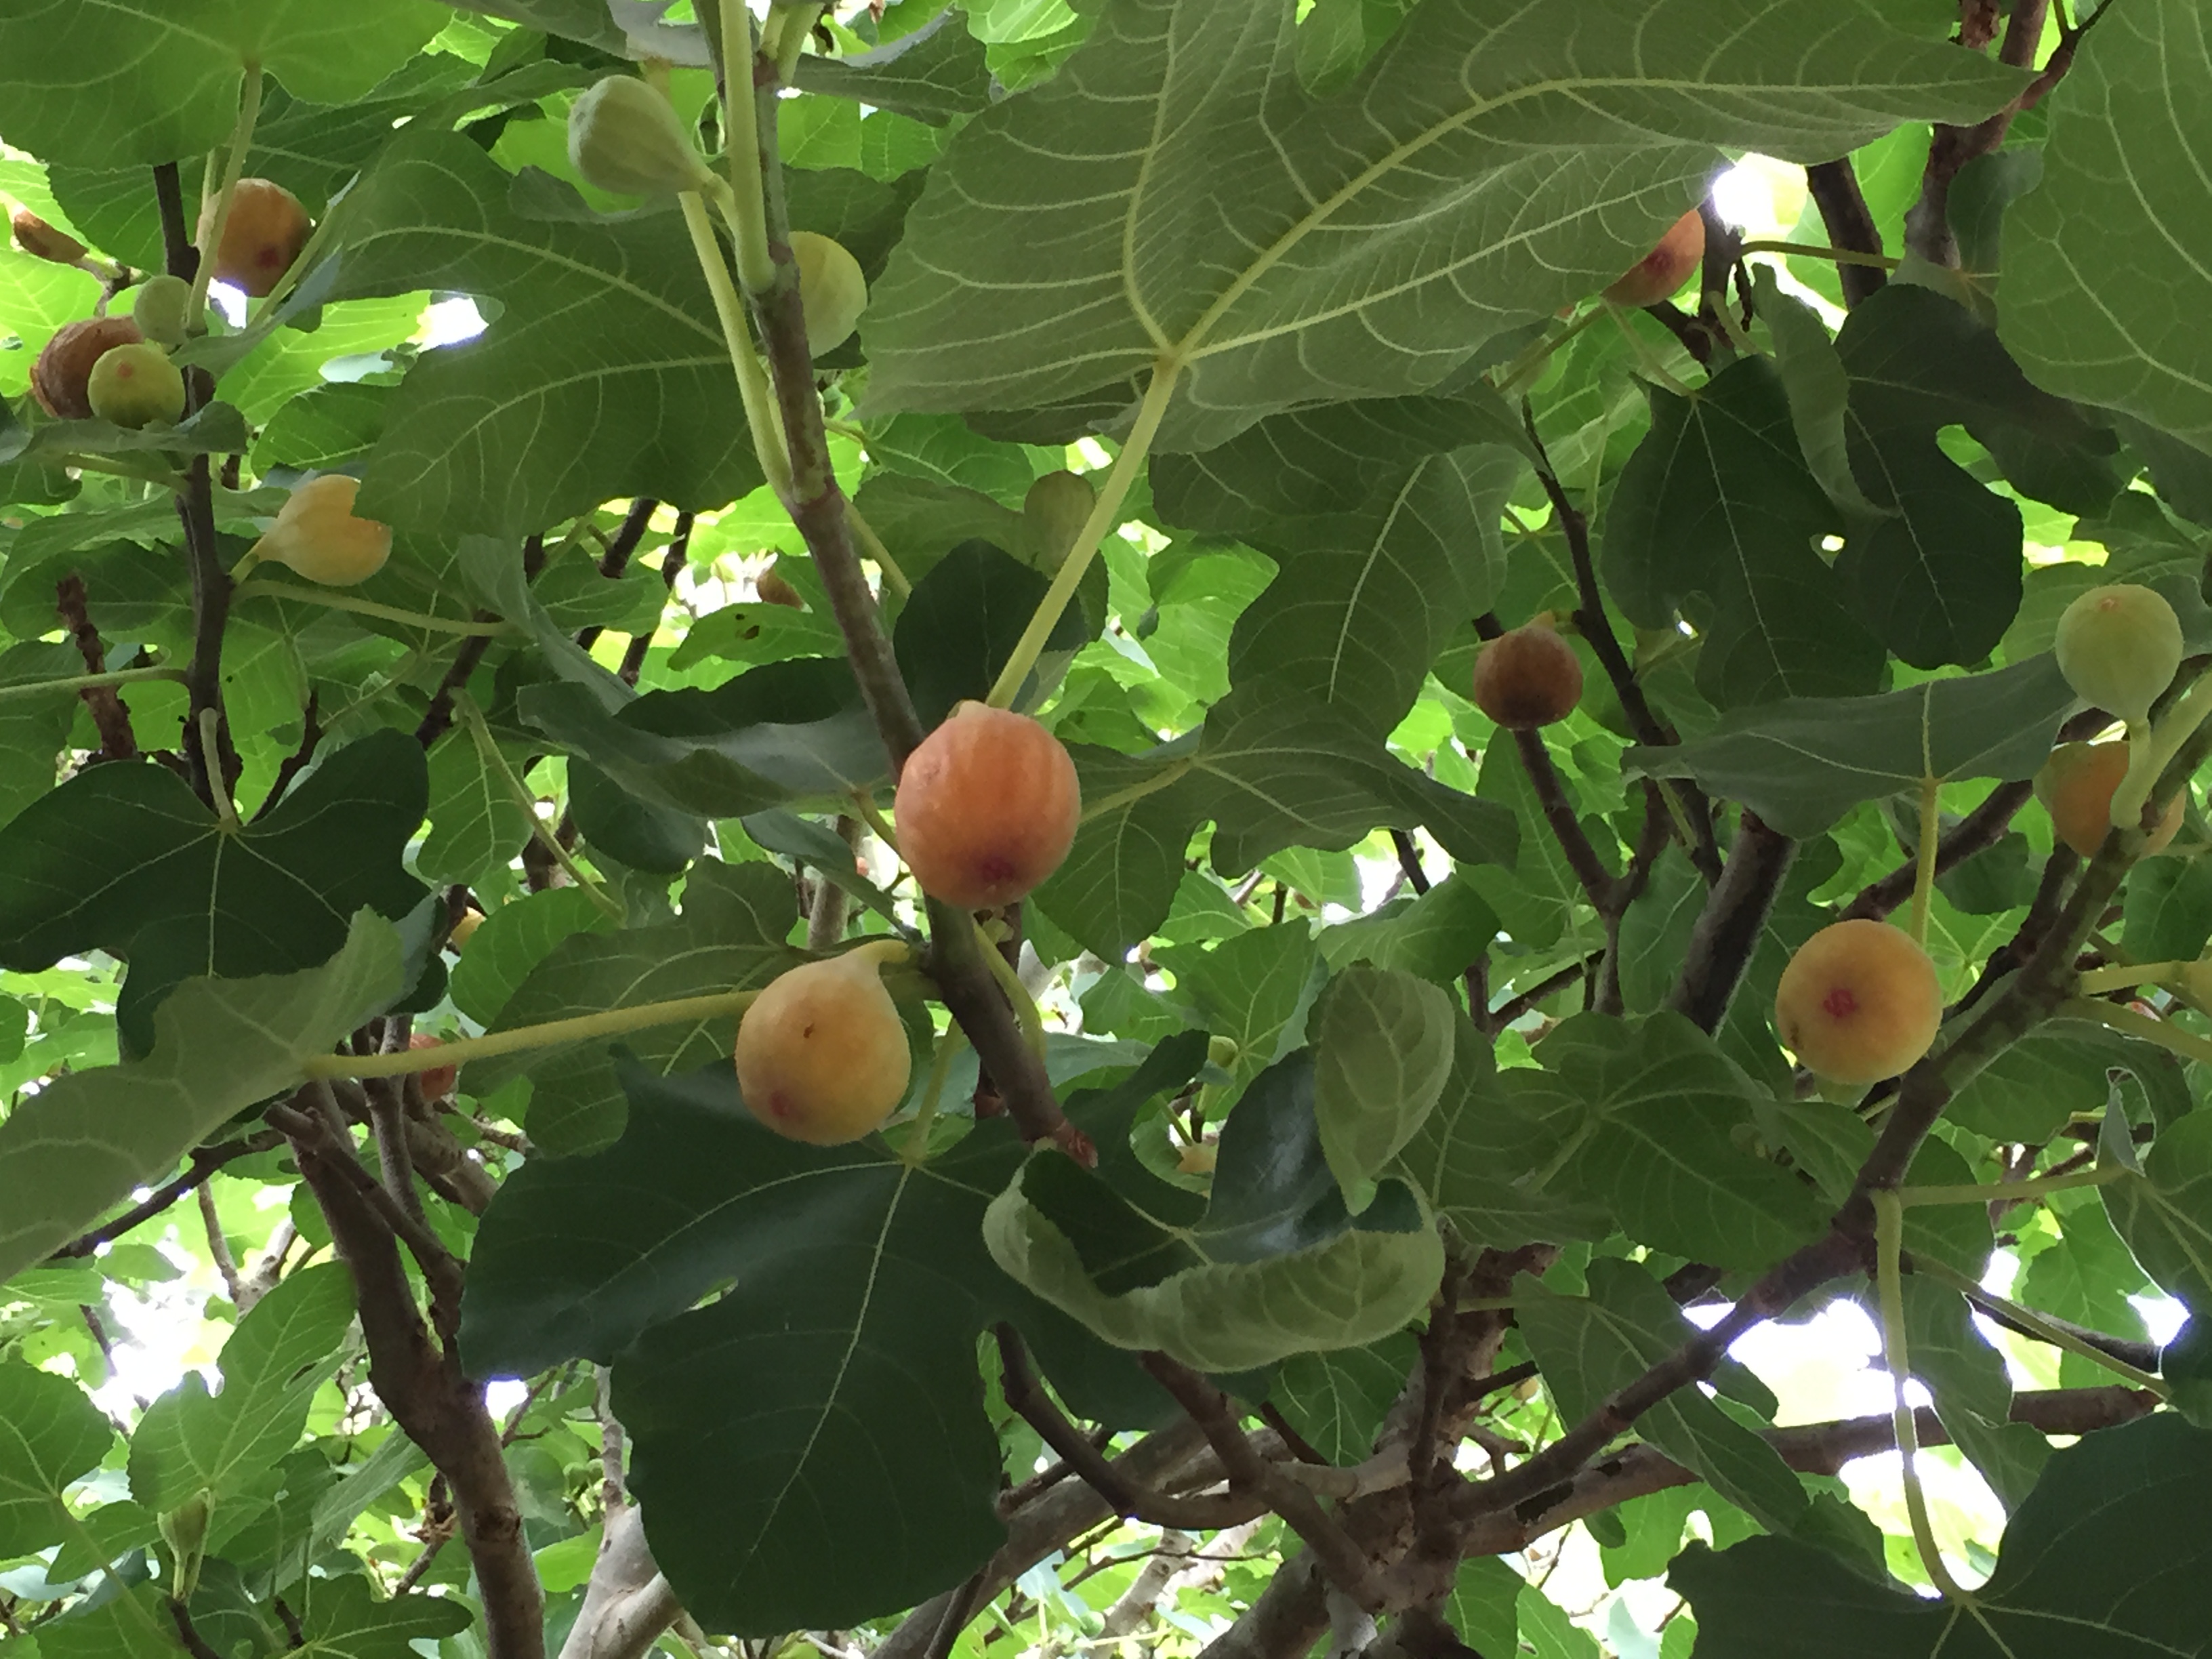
[2118, 646]
[1859, 1002]
[822, 1057]
[1662, 272]
[986, 807]
[62, 377]
[464, 930]
[266, 230]
[1527, 679]
[2076, 786]
[36, 237]
[437, 1082]
[317, 534]
[135, 385]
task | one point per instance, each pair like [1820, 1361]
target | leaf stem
[89, 682]
[2008, 1192]
[747, 207]
[1923, 876]
[873, 545]
[242, 139]
[1167, 775]
[1842, 256]
[752, 380]
[1889, 1237]
[2165, 1033]
[262, 587]
[872, 816]
[465, 706]
[581, 1029]
[914, 1145]
[1104, 516]
[81, 1535]
[2043, 1330]
[2149, 751]
[2126, 975]
[1025, 1007]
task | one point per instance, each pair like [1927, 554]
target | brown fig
[775, 590]
[1528, 677]
[35, 236]
[62, 378]
[437, 1082]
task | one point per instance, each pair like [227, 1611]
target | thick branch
[1928, 221]
[109, 717]
[1728, 928]
[1834, 187]
[627, 1603]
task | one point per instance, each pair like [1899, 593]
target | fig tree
[38, 238]
[624, 136]
[986, 807]
[822, 1057]
[1859, 1002]
[61, 377]
[2118, 646]
[263, 233]
[2076, 786]
[317, 536]
[830, 287]
[162, 309]
[135, 385]
[1528, 677]
[1662, 272]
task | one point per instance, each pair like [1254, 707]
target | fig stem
[872, 816]
[1646, 359]
[2008, 1192]
[873, 545]
[1842, 256]
[1103, 518]
[914, 1145]
[2160, 746]
[1889, 1241]
[263, 587]
[747, 208]
[1025, 1008]
[495, 762]
[792, 24]
[1924, 875]
[1160, 780]
[2056, 1336]
[89, 682]
[242, 139]
[2125, 976]
[581, 1029]
[1535, 356]
[209, 733]
[169, 480]
[752, 380]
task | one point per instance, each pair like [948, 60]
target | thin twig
[204, 1162]
[109, 717]
[226, 1265]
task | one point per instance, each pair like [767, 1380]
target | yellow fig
[317, 534]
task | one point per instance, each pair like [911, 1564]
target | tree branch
[109, 717]
[616, 560]
[1834, 187]
[1727, 929]
[1928, 221]
[671, 565]
[1979, 831]
[204, 1162]
[626, 1602]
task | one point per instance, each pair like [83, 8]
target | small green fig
[624, 136]
[832, 290]
[1054, 514]
[62, 376]
[163, 309]
[2118, 646]
[134, 385]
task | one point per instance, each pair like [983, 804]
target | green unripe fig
[134, 385]
[1222, 1051]
[61, 377]
[624, 136]
[1054, 514]
[832, 290]
[2118, 646]
[162, 309]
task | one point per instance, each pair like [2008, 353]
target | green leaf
[1972, 1390]
[126, 858]
[640, 834]
[85, 1140]
[606, 326]
[345, 1619]
[1717, 502]
[2116, 172]
[731, 936]
[513, 939]
[1118, 879]
[1661, 1156]
[1482, 1606]
[1382, 1049]
[1337, 1402]
[50, 1435]
[2066, 1550]
[475, 820]
[2061, 1068]
[1802, 763]
[1173, 191]
[2165, 1214]
[961, 622]
[192, 1442]
[1591, 1347]
[33, 729]
[2167, 910]
[124, 85]
[935, 74]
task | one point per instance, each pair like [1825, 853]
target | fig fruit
[2118, 646]
[136, 384]
[2076, 786]
[437, 1082]
[1527, 679]
[830, 287]
[1859, 1002]
[624, 136]
[986, 807]
[162, 309]
[62, 376]
[775, 590]
[822, 1057]
[263, 233]
[1054, 514]
[464, 930]
[36, 237]
[1662, 272]
[317, 534]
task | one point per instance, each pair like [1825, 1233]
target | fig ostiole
[822, 1054]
